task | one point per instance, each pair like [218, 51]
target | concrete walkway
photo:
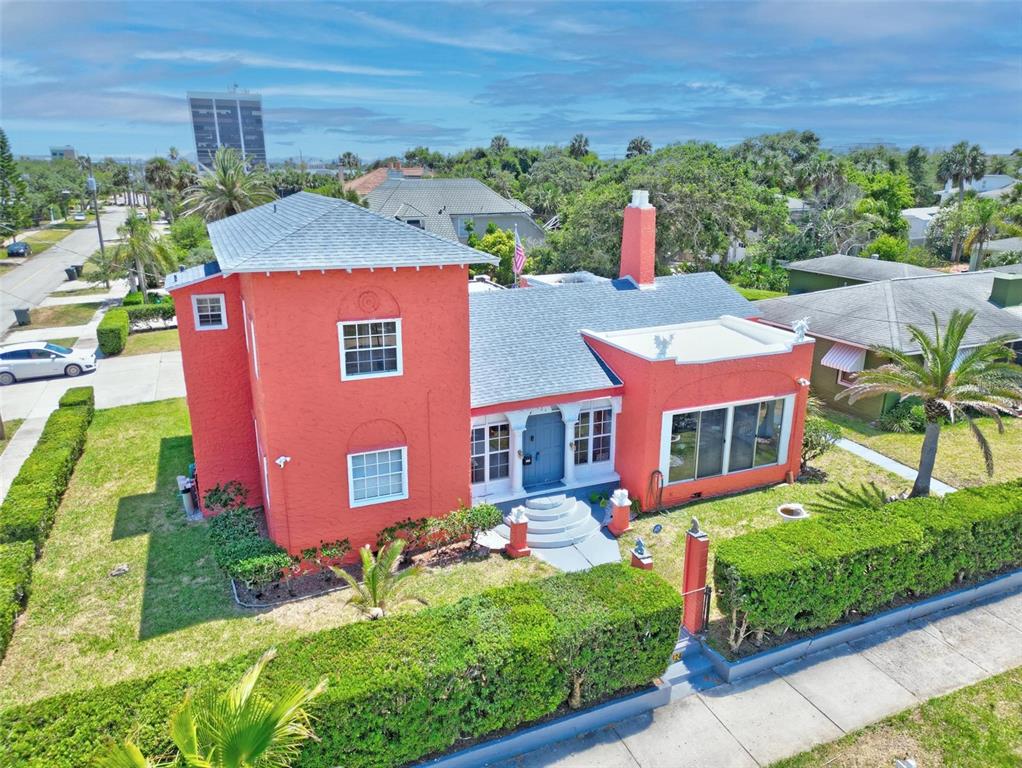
[817, 699]
[901, 470]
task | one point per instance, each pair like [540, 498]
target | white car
[79, 217]
[34, 359]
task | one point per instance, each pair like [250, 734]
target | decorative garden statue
[640, 547]
[695, 526]
[800, 327]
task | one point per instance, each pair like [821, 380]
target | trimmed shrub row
[241, 551]
[407, 686]
[812, 574]
[15, 576]
[28, 511]
[147, 313]
[113, 332]
[134, 298]
[78, 396]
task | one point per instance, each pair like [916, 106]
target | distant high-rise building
[232, 119]
[63, 153]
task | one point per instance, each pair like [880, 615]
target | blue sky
[377, 78]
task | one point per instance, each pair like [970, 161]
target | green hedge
[78, 396]
[811, 574]
[403, 687]
[147, 313]
[242, 551]
[113, 332]
[15, 576]
[28, 510]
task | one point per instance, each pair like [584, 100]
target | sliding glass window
[724, 440]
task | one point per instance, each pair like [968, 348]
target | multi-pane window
[592, 436]
[377, 476]
[723, 440]
[210, 312]
[370, 349]
[491, 452]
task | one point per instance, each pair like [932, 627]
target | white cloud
[18, 72]
[493, 40]
[355, 93]
[209, 56]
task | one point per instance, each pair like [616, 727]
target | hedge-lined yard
[15, 577]
[173, 608]
[405, 687]
[812, 574]
[112, 332]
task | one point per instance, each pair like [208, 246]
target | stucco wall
[219, 398]
[826, 387]
[307, 412]
[651, 388]
[807, 282]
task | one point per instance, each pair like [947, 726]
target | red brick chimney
[638, 240]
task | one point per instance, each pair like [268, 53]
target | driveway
[28, 284]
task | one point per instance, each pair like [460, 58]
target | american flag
[519, 254]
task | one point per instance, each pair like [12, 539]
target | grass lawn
[731, 515]
[63, 314]
[975, 727]
[84, 628]
[10, 427]
[69, 341]
[755, 294]
[145, 342]
[44, 239]
[959, 459]
[97, 291]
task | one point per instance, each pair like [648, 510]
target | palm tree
[106, 266]
[817, 172]
[228, 188]
[985, 217]
[579, 146]
[142, 251]
[959, 165]
[951, 381]
[236, 729]
[159, 173]
[350, 160]
[640, 145]
[173, 153]
[498, 144]
[381, 582]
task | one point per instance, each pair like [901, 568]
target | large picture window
[491, 452]
[377, 476]
[592, 436]
[370, 349]
[722, 440]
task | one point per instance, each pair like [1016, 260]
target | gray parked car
[34, 359]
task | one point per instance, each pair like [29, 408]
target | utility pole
[91, 181]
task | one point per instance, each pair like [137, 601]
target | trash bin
[22, 316]
[79, 268]
[71, 273]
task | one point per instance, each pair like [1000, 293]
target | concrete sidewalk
[901, 470]
[817, 699]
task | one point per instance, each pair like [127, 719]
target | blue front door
[543, 450]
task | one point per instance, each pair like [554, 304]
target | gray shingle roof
[879, 313]
[858, 267]
[1011, 269]
[439, 199]
[308, 231]
[525, 343]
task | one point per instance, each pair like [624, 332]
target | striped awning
[845, 357]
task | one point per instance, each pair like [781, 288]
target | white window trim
[223, 311]
[266, 481]
[381, 499]
[591, 436]
[842, 381]
[485, 425]
[255, 349]
[782, 448]
[345, 376]
[244, 322]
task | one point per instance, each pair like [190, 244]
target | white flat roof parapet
[725, 338]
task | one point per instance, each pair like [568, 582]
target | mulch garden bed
[315, 583]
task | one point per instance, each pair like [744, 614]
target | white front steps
[555, 521]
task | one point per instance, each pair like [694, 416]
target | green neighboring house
[839, 270]
[848, 322]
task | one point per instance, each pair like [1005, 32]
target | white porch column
[516, 420]
[569, 415]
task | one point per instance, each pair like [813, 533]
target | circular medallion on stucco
[369, 301]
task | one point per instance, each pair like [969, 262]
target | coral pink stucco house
[337, 365]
